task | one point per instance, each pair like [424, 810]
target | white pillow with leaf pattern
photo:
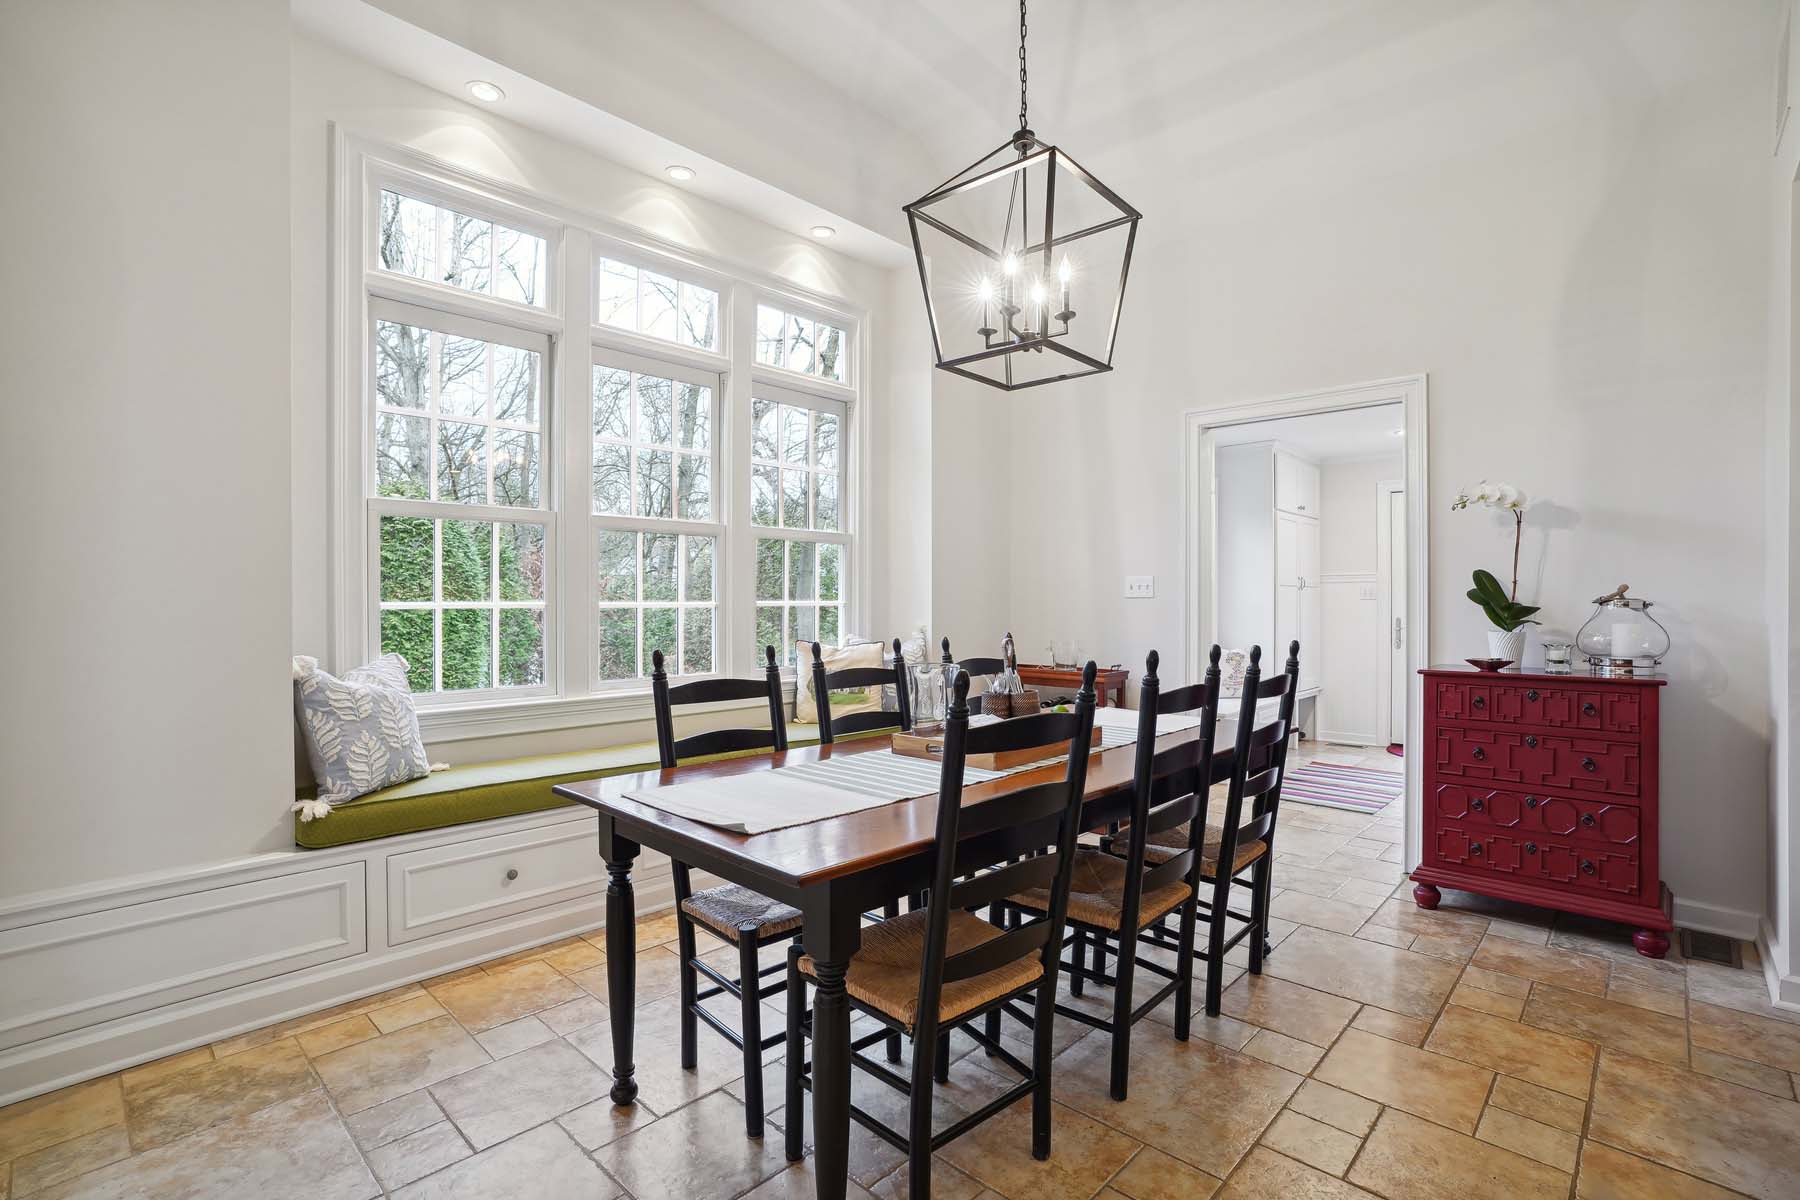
[361, 730]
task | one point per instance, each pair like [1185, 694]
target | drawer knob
[1531, 741]
[1531, 802]
[1588, 709]
[1531, 695]
[1587, 866]
[1478, 702]
[1588, 764]
[1477, 804]
[512, 873]
[1587, 818]
[1475, 850]
[1478, 753]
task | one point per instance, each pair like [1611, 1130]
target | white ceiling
[1326, 437]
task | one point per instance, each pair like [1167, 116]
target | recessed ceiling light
[823, 231]
[487, 93]
[678, 173]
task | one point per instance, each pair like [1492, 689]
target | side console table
[1543, 789]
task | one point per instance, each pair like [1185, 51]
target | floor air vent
[1711, 947]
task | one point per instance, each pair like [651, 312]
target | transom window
[799, 343]
[657, 305]
[428, 241]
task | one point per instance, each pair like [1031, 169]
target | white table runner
[760, 801]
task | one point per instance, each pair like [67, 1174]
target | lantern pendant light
[1023, 257]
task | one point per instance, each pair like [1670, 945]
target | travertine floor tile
[173, 1106]
[484, 1001]
[1608, 1174]
[1529, 1100]
[1724, 1133]
[398, 1117]
[1084, 1154]
[696, 1153]
[1339, 916]
[1494, 981]
[576, 1014]
[295, 1150]
[65, 1160]
[662, 1084]
[1741, 1070]
[1265, 1174]
[1311, 1142]
[1300, 1012]
[799, 1182]
[1393, 1026]
[514, 1036]
[1491, 1003]
[532, 1166]
[394, 1064]
[411, 1011]
[1247, 1094]
[337, 1035]
[1746, 1035]
[1625, 991]
[1406, 1158]
[658, 975]
[595, 1124]
[1453, 947]
[418, 1154]
[1547, 1144]
[167, 1066]
[1742, 990]
[1336, 1107]
[1442, 1089]
[60, 1115]
[1278, 1048]
[1552, 1060]
[1561, 968]
[1608, 1023]
[576, 954]
[492, 1103]
[1397, 980]
[1153, 1175]
[947, 1183]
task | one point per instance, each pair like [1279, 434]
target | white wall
[1353, 649]
[364, 99]
[146, 711]
[1579, 261]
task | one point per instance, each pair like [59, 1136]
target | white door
[1297, 596]
[1397, 631]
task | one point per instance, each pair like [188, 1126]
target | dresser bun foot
[1651, 943]
[1428, 897]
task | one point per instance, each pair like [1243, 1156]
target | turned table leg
[621, 974]
[1426, 895]
[1651, 943]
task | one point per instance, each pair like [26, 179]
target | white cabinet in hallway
[1296, 484]
[1297, 594]
[1268, 553]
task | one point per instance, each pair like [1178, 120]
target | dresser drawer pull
[1588, 764]
[1531, 847]
[1478, 702]
[1588, 709]
[1587, 819]
[512, 873]
[1587, 866]
[1478, 753]
[1477, 804]
[1532, 695]
[1475, 850]
[1531, 802]
[1531, 741]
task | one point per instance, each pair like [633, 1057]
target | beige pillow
[863, 654]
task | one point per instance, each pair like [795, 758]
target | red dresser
[1543, 789]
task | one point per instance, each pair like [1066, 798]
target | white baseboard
[1365, 740]
[88, 933]
[1784, 990]
[1713, 918]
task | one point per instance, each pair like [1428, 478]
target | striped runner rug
[1329, 785]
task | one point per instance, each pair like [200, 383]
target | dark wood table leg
[832, 934]
[621, 958]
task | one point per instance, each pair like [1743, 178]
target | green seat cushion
[478, 792]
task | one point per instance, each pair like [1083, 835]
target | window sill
[508, 718]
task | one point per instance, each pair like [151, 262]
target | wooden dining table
[833, 870]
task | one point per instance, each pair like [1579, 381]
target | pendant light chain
[1022, 122]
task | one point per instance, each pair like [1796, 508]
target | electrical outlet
[1366, 592]
[1140, 587]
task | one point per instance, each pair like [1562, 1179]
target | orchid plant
[1502, 607]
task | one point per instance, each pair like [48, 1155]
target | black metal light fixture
[1006, 248]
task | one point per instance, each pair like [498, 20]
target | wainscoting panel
[81, 970]
[466, 883]
[1351, 658]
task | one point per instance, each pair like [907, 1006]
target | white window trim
[576, 239]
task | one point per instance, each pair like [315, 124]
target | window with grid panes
[796, 474]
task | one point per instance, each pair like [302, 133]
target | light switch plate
[1140, 587]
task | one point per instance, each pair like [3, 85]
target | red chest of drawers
[1543, 789]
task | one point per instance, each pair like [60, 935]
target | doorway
[1341, 567]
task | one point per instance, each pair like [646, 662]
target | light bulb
[1062, 272]
[984, 291]
[1011, 265]
[485, 92]
[1037, 292]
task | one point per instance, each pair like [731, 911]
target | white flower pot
[1507, 645]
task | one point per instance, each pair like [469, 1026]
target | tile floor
[1483, 1050]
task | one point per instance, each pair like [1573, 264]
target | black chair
[974, 666]
[1258, 765]
[735, 915]
[1117, 897]
[830, 728]
[941, 968]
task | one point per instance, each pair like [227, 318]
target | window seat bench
[479, 792]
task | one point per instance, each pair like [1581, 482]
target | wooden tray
[928, 742]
